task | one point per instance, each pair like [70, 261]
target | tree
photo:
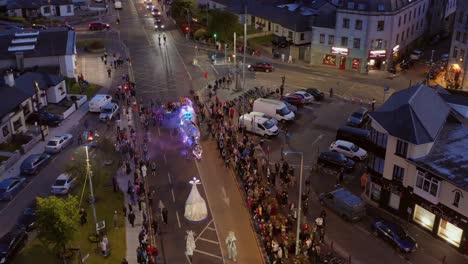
[183, 10]
[224, 24]
[57, 221]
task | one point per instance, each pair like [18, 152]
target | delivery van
[346, 204]
[259, 125]
[99, 101]
[274, 108]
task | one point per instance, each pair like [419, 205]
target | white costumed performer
[231, 246]
[195, 206]
[190, 244]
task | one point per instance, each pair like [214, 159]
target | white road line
[206, 227]
[208, 254]
[214, 69]
[209, 240]
[309, 107]
[183, 63]
[178, 219]
[165, 160]
[169, 177]
[210, 228]
[173, 196]
[159, 131]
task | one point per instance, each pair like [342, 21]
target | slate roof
[34, 4]
[50, 42]
[415, 115]
[449, 156]
[376, 5]
[44, 80]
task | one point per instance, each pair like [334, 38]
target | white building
[418, 161]
[368, 35]
[34, 8]
[458, 57]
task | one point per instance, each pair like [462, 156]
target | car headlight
[155, 26]
[407, 249]
[162, 26]
[249, 66]
[3, 260]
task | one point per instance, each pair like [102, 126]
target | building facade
[415, 167]
[368, 35]
[457, 65]
[35, 8]
[440, 17]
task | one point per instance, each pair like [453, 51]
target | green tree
[181, 10]
[57, 221]
[77, 167]
[224, 24]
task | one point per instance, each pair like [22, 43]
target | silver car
[108, 111]
[57, 143]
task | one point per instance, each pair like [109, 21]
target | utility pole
[91, 189]
[245, 44]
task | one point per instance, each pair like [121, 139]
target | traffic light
[187, 28]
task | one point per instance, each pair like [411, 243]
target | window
[380, 25]
[457, 36]
[417, 26]
[456, 199]
[357, 43]
[47, 9]
[409, 16]
[419, 10]
[69, 9]
[331, 40]
[381, 7]
[465, 38]
[399, 21]
[404, 19]
[407, 33]
[290, 34]
[5, 131]
[455, 52]
[380, 139]
[414, 14]
[276, 28]
[345, 23]
[427, 184]
[397, 38]
[462, 54]
[398, 173]
[322, 38]
[26, 109]
[460, 18]
[302, 36]
[412, 29]
[358, 25]
[377, 164]
[403, 36]
[401, 148]
[344, 41]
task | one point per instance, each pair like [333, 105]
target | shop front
[337, 57]
[377, 59]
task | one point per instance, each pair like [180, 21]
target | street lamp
[299, 206]
[216, 43]
[91, 189]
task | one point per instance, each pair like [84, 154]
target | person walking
[109, 71]
[373, 104]
[131, 218]
[114, 183]
[331, 92]
[164, 215]
[116, 220]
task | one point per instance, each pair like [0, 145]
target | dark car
[280, 42]
[261, 66]
[316, 93]
[358, 136]
[394, 234]
[33, 163]
[10, 187]
[37, 27]
[98, 26]
[158, 24]
[11, 243]
[27, 220]
[358, 117]
[155, 12]
[45, 118]
[68, 27]
[335, 160]
[295, 100]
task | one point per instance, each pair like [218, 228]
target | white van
[118, 5]
[260, 114]
[274, 108]
[98, 101]
[259, 125]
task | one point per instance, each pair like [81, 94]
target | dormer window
[401, 148]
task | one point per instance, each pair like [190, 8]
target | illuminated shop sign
[340, 51]
[377, 53]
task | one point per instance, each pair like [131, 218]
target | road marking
[169, 177]
[214, 69]
[203, 230]
[173, 196]
[317, 139]
[178, 219]
[183, 63]
[210, 228]
[209, 240]
[208, 254]
[159, 131]
[309, 107]
[363, 229]
[165, 160]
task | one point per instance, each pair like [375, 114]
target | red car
[98, 26]
[295, 100]
[261, 66]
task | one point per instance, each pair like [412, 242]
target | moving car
[158, 24]
[27, 220]
[395, 235]
[335, 160]
[346, 204]
[108, 111]
[274, 108]
[57, 143]
[98, 26]
[293, 99]
[316, 93]
[348, 149]
[11, 243]
[155, 12]
[33, 163]
[149, 6]
[416, 54]
[63, 184]
[358, 117]
[10, 187]
[444, 57]
[308, 98]
[258, 125]
[261, 66]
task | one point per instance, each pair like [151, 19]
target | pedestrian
[83, 216]
[153, 168]
[282, 57]
[124, 211]
[155, 226]
[331, 92]
[109, 71]
[290, 60]
[124, 261]
[131, 218]
[373, 104]
[164, 215]
[116, 220]
[114, 183]
[281, 90]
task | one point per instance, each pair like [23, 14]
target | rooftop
[375, 5]
[34, 4]
[448, 157]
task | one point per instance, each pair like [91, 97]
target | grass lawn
[107, 202]
[3, 158]
[89, 91]
[262, 40]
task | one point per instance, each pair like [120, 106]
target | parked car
[291, 107]
[358, 136]
[98, 26]
[261, 66]
[9, 187]
[259, 125]
[308, 98]
[295, 100]
[348, 149]
[274, 108]
[158, 24]
[260, 114]
[45, 118]
[406, 64]
[394, 234]
[58, 143]
[11, 243]
[63, 184]
[316, 93]
[358, 117]
[335, 160]
[444, 57]
[346, 204]
[108, 111]
[27, 220]
[280, 41]
[33, 163]
[416, 54]
[433, 73]
[68, 27]
[155, 12]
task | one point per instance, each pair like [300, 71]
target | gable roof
[44, 80]
[47, 43]
[375, 5]
[415, 115]
[34, 4]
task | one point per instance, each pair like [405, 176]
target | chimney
[9, 78]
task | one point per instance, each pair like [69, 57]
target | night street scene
[234, 131]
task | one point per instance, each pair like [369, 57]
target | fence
[79, 99]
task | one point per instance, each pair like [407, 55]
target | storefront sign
[340, 51]
[377, 53]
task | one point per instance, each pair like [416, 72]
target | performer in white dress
[195, 206]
